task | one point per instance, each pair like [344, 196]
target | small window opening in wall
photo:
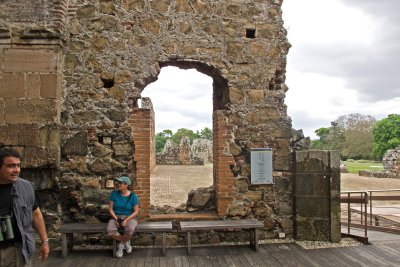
[251, 33]
[108, 83]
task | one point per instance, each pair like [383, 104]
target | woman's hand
[123, 223]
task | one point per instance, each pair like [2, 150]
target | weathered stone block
[2, 114]
[35, 157]
[100, 166]
[235, 95]
[234, 51]
[160, 6]
[26, 111]
[254, 196]
[107, 7]
[101, 151]
[50, 86]
[122, 149]
[117, 93]
[24, 60]
[312, 161]
[86, 12]
[76, 145]
[305, 184]
[322, 230]
[241, 185]
[283, 184]
[304, 229]
[313, 206]
[322, 185]
[32, 85]
[183, 6]
[8, 135]
[281, 164]
[335, 230]
[28, 135]
[152, 26]
[131, 5]
[256, 96]
[99, 42]
[123, 77]
[50, 136]
[285, 207]
[12, 85]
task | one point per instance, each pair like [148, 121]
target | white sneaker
[120, 251]
[128, 247]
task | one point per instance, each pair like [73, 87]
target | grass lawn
[358, 165]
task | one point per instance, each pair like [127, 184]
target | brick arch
[142, 123]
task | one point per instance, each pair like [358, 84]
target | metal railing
[366, 198]
[355, 197]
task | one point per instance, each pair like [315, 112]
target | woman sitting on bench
[124, 209]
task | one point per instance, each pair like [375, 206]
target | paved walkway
[382, 253]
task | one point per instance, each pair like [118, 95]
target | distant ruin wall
[391, 166]
[198, 153]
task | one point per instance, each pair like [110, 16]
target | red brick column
[142, 124]
[223, 176]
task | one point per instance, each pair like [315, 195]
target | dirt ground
[355, 182]
[171, 184]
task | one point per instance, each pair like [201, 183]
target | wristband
[45, 241]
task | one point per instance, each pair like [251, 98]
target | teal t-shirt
[123, 205]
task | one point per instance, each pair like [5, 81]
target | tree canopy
[350, 134]
[386, 134]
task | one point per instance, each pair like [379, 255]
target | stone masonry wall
[317, 196]
[104, 57]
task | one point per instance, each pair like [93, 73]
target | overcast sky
[345, 58]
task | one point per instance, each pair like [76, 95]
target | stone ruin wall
[97, 58]
[198, 153]
[391, 165]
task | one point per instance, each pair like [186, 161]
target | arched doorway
[142, 123]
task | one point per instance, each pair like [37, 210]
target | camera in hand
[6, 229]
[121, 229]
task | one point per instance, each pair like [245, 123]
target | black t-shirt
[5, 209]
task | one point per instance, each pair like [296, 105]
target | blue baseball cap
[124, 179]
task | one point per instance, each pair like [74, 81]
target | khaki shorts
[129, 228]
[12, 256]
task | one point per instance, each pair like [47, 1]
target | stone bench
[69, 229]
[252, 224]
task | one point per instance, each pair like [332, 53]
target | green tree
[355, 136]
[351, 135]
[386, 135]
[176, 138]
[206, 133]
[322, 142]
[161, 138]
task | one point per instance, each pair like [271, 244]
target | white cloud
[181, 99]
[344, 59]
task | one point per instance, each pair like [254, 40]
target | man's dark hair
[8, 152]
